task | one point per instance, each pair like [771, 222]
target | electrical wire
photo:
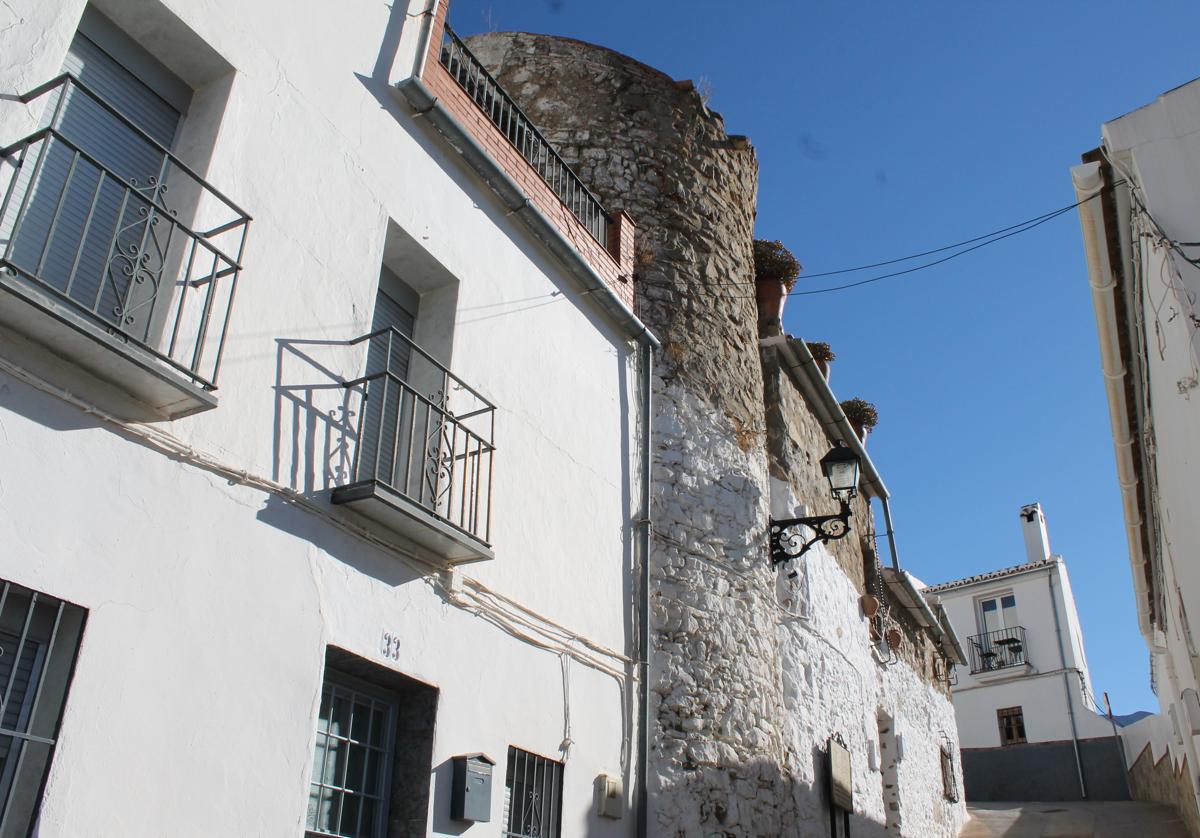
[926, 265]
[1045, 216]
[976, 243]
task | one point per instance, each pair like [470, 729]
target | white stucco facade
[214, 570]
[895, 722]
[1046, 676]
[1142, 193]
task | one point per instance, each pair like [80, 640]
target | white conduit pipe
[1089, 181]
[472, 595]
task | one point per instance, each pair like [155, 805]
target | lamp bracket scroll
[788, 541]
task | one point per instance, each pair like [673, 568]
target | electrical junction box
[610, 797]
[471, 793]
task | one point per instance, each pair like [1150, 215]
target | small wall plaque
[841, 781]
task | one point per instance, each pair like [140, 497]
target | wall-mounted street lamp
[840, 467]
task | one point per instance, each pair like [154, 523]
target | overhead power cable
[1038, 219]
[960, 249]
[1020, 229]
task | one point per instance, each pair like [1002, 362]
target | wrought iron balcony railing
[102, 219]
[424, 435]
[998, 649]
[504, 113]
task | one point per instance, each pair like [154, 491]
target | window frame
[949, 777]
[552, 830]
[58, 631]
[356, 686]
[1017, 714]
[997, 597]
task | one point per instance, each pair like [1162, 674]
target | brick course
[613, 260]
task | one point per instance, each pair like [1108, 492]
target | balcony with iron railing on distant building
[998, 650]
[422, 464]
[115, 255]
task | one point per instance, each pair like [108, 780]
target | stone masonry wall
[795, 443]
[836, 680]
[649, 146]
[744, 689]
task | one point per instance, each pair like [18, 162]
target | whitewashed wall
[1040, 692]
[211, 603]
[835, 683]
[1158, 148]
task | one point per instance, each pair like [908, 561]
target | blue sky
[888, 128]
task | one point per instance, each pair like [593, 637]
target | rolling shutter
[77, 218]
[388, 413]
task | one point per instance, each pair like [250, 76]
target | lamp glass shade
[840, 466]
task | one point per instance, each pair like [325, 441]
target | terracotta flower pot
[770, 294]
[870, 605]
[894, 637]
[861, 431]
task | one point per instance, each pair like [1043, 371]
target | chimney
[1033, 525]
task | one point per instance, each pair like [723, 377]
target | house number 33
[389, 645]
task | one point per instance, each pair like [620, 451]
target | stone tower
[648, 144]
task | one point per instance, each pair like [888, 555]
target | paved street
[1072, 820]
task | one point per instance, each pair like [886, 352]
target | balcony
[998, 650]
[423, 461]
[115, 256]
[503, 112]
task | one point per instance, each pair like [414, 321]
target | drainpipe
[643, 758]
[891, 534]
[1062, 657]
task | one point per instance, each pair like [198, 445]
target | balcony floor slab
[149, 389]
[412, 522]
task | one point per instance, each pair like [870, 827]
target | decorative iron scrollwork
[789, 542]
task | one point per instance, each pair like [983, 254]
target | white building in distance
[1140, 215]
[1027, 715]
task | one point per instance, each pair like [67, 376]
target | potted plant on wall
[775, 272]
[862, 415]
[822, 354]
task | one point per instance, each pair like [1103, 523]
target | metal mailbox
[471, 794]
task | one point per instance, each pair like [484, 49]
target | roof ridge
[991, 574]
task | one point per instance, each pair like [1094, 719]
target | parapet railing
[998, 649]
[504, 113]
[424, 433]
[93, 214]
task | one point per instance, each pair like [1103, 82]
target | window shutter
[384, 444]
[135, 161]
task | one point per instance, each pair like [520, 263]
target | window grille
[949, 780]
[532, 796]
[39, 639]
[1012, 725]
[351, 775]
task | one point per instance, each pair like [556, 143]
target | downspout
[1062, 658]
[643, 757]
[1088, 180]
[891, 533]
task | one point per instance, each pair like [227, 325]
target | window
[348, 794]
[373, 750]
[532, 796]
[998, 612]
[108, 238]
[422, 461]
[39, 638]
[1012, 725]
[949, 780]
